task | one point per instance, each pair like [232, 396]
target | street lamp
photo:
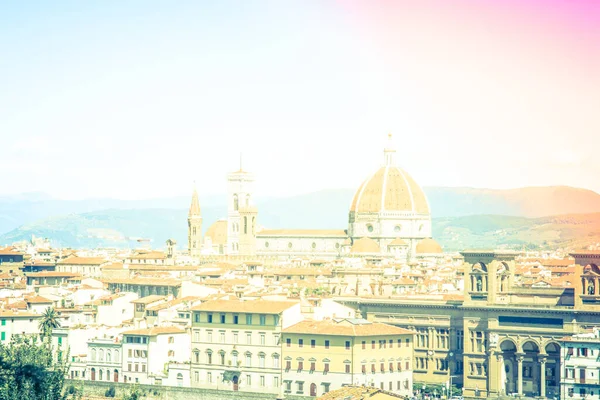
[450, 384]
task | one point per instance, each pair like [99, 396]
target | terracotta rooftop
[17, 314]
[9, 251]
[251, 306]
[52, 274]
[161, 330]
[82, 261]
[38, 300]
[346, 327]
[359, 393]
[148, 255]
[149, 299]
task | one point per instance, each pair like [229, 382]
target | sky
[138, 99]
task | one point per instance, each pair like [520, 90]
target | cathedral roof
[217, 232]
[365, 245]
[390, 189]
[398, 242]
[428, 246]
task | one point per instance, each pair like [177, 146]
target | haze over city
[138, 99]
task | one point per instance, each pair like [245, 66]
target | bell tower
[240, 186]
[194, 226]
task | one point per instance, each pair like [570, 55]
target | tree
[49, 322]
[28, 371]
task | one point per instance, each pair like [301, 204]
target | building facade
[236, 345]
[320, 356]
[580, 355]
[497, 339]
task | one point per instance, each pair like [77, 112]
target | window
[443, 338]
[300, 365]
[327, 344]
[235, 337]
[261, 360]
[209, 336]
[234, 358]
[313, 366]
[300, 342]
[326, 367]
[288, 342]
[171, 353]
[276, 340]
[364, 369]
[248, 380]
[248, 319]
[276, 381]
[347, 345]
[372, 368]
[263, 319]
[347, 368]
[209, 318]
[222, 318]
[196, 317]
[407, 343]
[262, 339]
[222, 357]
[391, 344]
[399, 366]
[3, 322]
[364, 345]
[236, 319]
[288, 365]
[248, 337]
[275, 360]
[262, 380]
[288, 386]
[372, 344]
[312, 343]
[222, 337]
[248, 359]
[196, 336]
[300, 387]
[208, 376]
[382, 367]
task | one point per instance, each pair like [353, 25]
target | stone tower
[247, 234]
[194, 226]
[240, 190]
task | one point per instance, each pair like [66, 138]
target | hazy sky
[136, 99]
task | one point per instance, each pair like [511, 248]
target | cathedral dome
[217, 232]
[390, 189]
[429, 246]
[365, 245]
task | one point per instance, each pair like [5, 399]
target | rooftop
[346, 327]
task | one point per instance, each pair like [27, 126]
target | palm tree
[48, 322]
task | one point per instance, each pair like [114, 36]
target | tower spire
[195, 205]
[389, 152]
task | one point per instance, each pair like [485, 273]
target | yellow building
[320, 356]
[236, 345]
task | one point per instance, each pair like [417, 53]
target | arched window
[209, 357]
[180, 379]
[93, 354]
[236, 204]
[245, 225]
[117, 356]
[234, 358]
[248, 359]
[108, 356]
[101, 357]
[222, 357]
[101, 373]
[261, 360]
[276, 361]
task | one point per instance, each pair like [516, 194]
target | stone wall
[150, 392]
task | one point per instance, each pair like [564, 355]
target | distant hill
[120, 228]
[322, 209]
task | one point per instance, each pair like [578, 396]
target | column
[520, 358]
[501, 380]
[542, 360]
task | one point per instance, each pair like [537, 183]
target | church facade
[389, 216]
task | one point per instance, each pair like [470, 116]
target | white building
[236, 345]
[104, 359]
[146, 353]
[580, 355]
[17, 323]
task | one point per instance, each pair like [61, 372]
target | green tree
[28, 371]
[49, 322]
